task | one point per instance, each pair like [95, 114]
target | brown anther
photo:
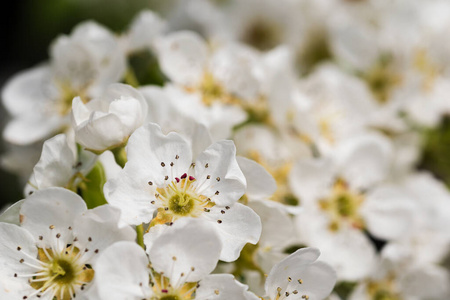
[171, 163]
[295, 292]
[152, 202]
[207, 165]
[218, 178]
[208, 177]
[96, 251]
[22, 260]
[216, 292]
[177, 157]
[219, 221]
[58, 235]
[41, 237]
[163, 164]
[222, 212]
[166, 208]
[300, 281]
[227, 207]
[289, 279]
[216, 193]
[166, 177]
[150, 183]
[89, 239]
[51, 226]
[18, 248]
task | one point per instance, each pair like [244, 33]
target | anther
[166, 208]
[177, 179]
[289, 279]
[18, 248]
[51, 226]
[171, 163]
[295, 292]
[150, 183]
[89, 239]
[152, 202]
[22, 260]
[206, 165]
[216, 193]
[227, 207]
[193, 165]
[192, 269]
[218, 178]
[58, 235]
[191, 178]
[177, 157]
[219, 221]
[174, 258]
[70, 228]
[183, 176]
[156, 195]
[222, 211]
[15, 274]
[216, 292]
[305, 297]
[163, 164]
[96, 251]
[166, 177]
[208, 177]
[300, 281]
[287, 294]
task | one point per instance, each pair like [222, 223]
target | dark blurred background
[27, 29]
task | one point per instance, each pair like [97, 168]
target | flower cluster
[164, 163]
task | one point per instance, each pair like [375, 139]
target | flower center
[181, 204]
[164, 290]
[180, 199]
[62, 273]
[342, 206]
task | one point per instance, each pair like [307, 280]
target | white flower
[53, 251]
[162, 177]
[39, 99]
[61, 164]
[181, 258]
[300, 276]
[107, 122]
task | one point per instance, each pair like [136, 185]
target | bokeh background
[27, 29]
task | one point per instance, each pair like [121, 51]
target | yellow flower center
[62, 274]
[342, 206]
[180, 199]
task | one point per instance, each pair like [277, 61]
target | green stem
[140, 235]
[120, 156]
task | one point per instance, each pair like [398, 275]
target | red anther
[177, 179]
[183, 176]
[164, 291]
[191, 178]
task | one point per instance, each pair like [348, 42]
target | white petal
[99, 228]
[31, 128]
[311, 179]
[426, 282]
[182, 57]
[227, 182]
[11, 214]
[121, 273]
[130, 192]
[364, 160]
[144, 29]
[317, 278]
[16, 243]
[388, 212]
[50, 212]
[26, 89]
[55, 167]
[223, 287]
[260, 184]
[188, 250]
[236, 226]
[153, 152]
